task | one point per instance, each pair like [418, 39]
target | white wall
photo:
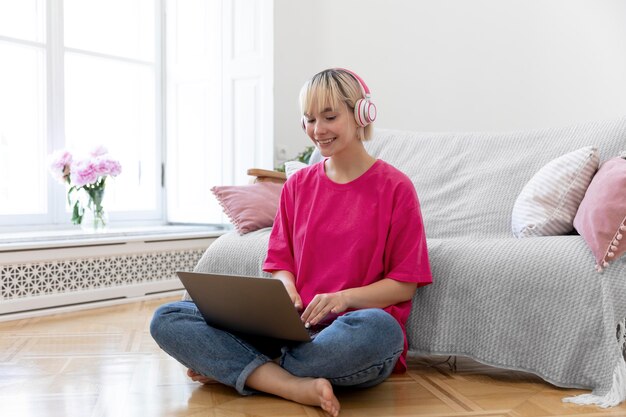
[441, 65]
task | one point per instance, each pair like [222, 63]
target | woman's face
[332, 130]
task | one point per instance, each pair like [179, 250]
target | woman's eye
[310, 120]
[331, 117]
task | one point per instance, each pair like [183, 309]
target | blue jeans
[359, 348]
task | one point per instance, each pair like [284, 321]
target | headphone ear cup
[364, 112]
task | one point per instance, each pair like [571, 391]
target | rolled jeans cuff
[240, 385]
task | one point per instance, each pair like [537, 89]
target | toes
[331, 409]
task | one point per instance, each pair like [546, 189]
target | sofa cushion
[601, 217]
[468, 182]
[249, 207]
[549, 201]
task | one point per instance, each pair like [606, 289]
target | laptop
[250, 305]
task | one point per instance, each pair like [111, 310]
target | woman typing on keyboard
[348, 244]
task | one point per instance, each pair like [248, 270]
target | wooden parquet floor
[103, 362]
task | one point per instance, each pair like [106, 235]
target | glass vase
[95, 218]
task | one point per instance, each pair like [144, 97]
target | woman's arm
[379, 294]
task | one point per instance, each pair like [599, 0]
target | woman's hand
[289, 282]
[293, 294]
[323, 304]
[379, 294]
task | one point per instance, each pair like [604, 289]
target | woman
[348, 243]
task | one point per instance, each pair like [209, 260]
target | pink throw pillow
[601, 216]
[249, 207]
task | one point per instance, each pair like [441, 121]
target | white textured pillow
[549, 201]
[292, 167]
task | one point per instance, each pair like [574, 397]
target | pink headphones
[364, 109]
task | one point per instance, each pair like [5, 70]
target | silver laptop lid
[259, 306]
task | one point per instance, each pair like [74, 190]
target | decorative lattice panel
[43, 278]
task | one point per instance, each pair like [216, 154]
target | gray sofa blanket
[523, 304]
[550, 320]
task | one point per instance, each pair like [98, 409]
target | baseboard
[87, 306]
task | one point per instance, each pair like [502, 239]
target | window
[180, 84]
[76, 74]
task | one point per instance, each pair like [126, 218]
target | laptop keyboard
[315, 330]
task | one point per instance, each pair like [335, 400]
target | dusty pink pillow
[601, 216]
[249, 207]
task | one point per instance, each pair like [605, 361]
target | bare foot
[317, 392]
[199, 378]
[273, 379]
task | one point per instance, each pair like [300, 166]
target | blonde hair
[333, 88]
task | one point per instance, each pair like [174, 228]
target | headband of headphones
[364, 89]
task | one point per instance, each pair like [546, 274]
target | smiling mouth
[325, 142]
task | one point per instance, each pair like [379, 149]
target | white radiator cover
[54, 277]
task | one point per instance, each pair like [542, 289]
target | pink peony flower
[107, 166]
[83, 172]
[59, 165]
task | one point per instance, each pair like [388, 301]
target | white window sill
[32, 240]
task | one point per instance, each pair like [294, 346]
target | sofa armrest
[266, 175]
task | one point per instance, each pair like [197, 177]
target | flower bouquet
[87, 175]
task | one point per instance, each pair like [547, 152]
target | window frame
[56, 217]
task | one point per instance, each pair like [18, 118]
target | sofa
[537, 303]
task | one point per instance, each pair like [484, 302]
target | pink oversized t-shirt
[333, 236]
